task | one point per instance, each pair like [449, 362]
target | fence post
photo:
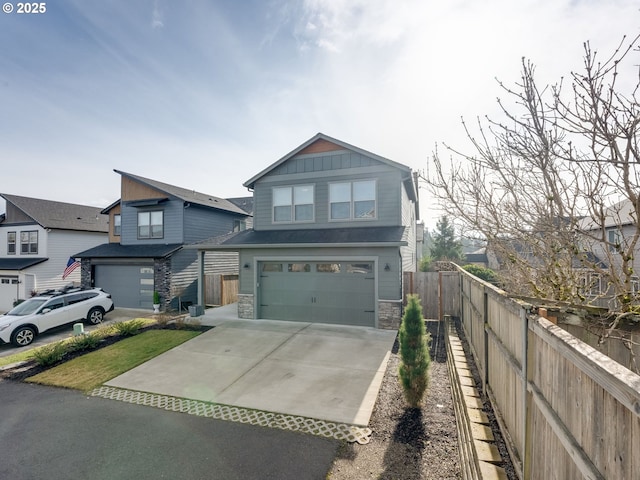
[485, 334]
[526, 425]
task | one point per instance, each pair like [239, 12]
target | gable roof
[186, 195]
[321, 138]
[617, 215]
[60, 215]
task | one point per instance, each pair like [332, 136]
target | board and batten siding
[389, 282]
[173, 222]
[388, 197]
[61, 245]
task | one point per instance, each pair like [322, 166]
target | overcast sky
[205, 94]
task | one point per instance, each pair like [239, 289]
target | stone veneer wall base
[389, 314]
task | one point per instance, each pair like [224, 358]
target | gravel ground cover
[407, 443]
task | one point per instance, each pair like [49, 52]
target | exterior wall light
[387, 268]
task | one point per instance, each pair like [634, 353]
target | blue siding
[173, 221]
[201, 223]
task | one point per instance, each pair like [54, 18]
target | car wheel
[23, 336]
[95, 315]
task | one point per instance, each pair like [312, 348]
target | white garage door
[340, 292]
[8, 292]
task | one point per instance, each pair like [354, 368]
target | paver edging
[322, 428]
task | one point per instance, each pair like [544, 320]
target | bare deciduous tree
[546, 185]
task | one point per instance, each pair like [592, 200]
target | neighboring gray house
[334, 229]
[149, 225]
[38, 238]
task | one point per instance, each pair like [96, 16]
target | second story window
[151, 224]
[117, 224]
[293, 204]
[352, 200]
[11, 243]
[29, 242]
[614, 238]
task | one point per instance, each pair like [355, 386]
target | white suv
[52, 309]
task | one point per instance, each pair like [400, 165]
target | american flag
[72, 264]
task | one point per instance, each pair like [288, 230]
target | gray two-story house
[148, 227]
[334, 229]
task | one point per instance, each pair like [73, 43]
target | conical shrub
[414, 353]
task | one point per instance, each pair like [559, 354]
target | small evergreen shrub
[50, 354]
[128, 328]
[87, 341]
[425, 263]
[414, 353]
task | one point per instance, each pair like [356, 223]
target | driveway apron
[326, 372]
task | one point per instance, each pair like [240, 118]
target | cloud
[157, 16]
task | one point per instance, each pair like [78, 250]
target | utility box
[78, 329]
[196, 310]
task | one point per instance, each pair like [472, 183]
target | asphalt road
[56, 434]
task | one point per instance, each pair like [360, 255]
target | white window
[614, 239]
[352, 200]
[29, 242]
[293, 204]
[11, 243]
[151, 224]
[117, 224]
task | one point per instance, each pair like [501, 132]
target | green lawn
[95, 368]
[25, 353]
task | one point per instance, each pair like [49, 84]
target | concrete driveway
[327, 372]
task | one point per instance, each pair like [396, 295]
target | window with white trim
[29, 242]
[352, 200]
[614, 238]
[11, 243]
[293, 204]
[117, 224]
[151, 224]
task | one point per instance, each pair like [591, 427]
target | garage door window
[299, 267]
[272, 267]
[360, 268]
[328, 268]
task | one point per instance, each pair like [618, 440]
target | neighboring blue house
[334, 229]
[148, 227]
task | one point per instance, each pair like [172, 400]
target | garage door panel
[338, 293]
[130, 286]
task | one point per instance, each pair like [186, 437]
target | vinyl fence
[566, 410]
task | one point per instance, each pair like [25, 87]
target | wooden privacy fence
[438, 291]
[566, 410]
[220, 289]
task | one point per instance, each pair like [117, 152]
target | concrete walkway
[327, 372]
